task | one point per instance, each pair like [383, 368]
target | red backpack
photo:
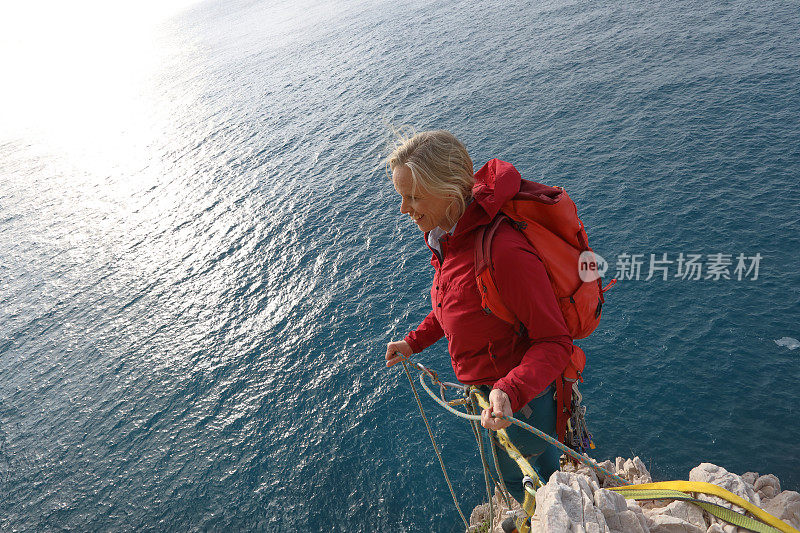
[548, 218]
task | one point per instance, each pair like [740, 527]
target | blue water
[192, 328]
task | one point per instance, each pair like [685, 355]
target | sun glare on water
[85, 110]
[78, 77]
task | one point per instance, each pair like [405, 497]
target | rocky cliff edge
[576, 500]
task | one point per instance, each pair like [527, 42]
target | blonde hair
[439, 163]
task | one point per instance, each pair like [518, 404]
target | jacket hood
[495, 183]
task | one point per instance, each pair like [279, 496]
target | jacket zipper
[492, 358]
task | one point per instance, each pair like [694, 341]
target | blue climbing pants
[544, 457]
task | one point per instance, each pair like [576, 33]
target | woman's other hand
[499, 404]
[397, 346]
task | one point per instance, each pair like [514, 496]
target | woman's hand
[499, 404]
[397, 346]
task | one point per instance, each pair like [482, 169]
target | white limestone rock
[750, 477]
[670, 524]
[582, 469]
[479, 517]
[717, 475]
[611, 466]
[601, 478]
[785, 506]
[767, 486]
[620, 516]
[636, 509]
[677, 517]
[566, 503]
[633, 470]
[573, 502]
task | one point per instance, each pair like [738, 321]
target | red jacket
[485, 350]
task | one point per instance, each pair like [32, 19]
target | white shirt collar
[437, 233]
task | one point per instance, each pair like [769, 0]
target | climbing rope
[531, 479]
[676, 490]
[486, 474]
[503, 489]
[542, 435]
[435, 446]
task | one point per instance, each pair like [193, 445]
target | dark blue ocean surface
[192, 327]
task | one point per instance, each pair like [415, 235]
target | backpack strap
[483, 244]
[484, 275]
[493, 304]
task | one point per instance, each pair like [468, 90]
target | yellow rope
[529, 502]
[714, 490]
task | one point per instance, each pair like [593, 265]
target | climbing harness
[760, 522]
[577, 435]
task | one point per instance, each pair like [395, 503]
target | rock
[479, 518]
[603, 480]
[788, 342]
[479, 515]
[785, 506]
[767, 486]
[633, 470]
[584, 470]
[620, 516]
[636, 509]
[566, 501]
[750, 477]
[573, 501]
[677, 517]
[717, 475]
[670, 524]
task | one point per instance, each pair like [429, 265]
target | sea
[202, 256]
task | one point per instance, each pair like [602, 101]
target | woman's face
[427, 211]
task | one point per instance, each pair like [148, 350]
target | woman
[433, 174]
